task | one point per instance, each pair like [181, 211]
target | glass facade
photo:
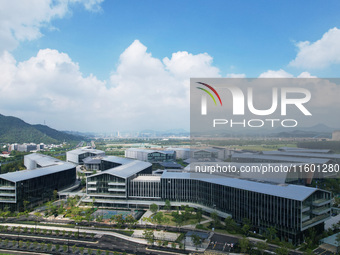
[34, 190]
[263, 210]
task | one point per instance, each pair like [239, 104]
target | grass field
[171, 222]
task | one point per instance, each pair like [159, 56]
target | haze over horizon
[100, 66]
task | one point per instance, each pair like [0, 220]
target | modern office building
[181, 153]
[36, 160]
[201, 153]
[76, 156]
[28, 188]
[303, 150]
[324, 165]
[291, 209]
[27, 147]
[207, 153]
[115, 177]
[152, 156]
[299, 154]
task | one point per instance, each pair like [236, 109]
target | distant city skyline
[103, 66]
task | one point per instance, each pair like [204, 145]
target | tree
[196, 240]
[244, 244]
[25, 203]
[119, 220]
[57, 247]
[282, 251]
[178, 219]
[153, 208]
[199, 215]
[230, 224]
[308, 252]
[271, 232]
[261, 246]
[149, 236]
[245, 229]
[65, 247]
[81, 249]
[55, 194]
[130, 220]
[215, 218]
[49, 246]
[246, 225]
[167, 205]
[158, 217]
[74, 248]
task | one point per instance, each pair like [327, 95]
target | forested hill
[15, 130]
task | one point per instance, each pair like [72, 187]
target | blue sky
[247, 38]
[242, 36]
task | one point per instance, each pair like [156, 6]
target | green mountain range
[15, 130]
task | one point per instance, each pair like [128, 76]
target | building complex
[291, 209]
[150, 155]
[76, 156]
[27, 188]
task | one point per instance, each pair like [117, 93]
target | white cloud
[142, 92]
[283, 74]
[23, 20]
[91, 5]
[184, 64]
[276, 74]
[306, 75]
[319, 54]
[236, 75]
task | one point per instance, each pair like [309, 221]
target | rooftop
[170, 164]
[288, 149]
[85, 150]
[144, 178]
[43, 160]
[280, 158]
[150, 151]
[297, 153]
[118, 160]
[126, 170]
[30, 174]
[92, 160]
[330, 240]
[295, 192]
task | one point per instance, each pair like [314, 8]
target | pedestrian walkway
[96, 232]
[147, 214]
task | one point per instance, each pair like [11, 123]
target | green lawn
[171, 222]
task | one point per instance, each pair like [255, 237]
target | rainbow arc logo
[204, 97]
[209, 93]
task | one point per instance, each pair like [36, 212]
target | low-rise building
[27, 188]
[152, 156]
[290, 209]
[76, 156]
